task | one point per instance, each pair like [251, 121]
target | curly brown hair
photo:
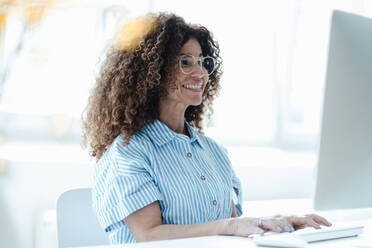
[131, 83]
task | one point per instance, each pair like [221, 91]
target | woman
[158, 176]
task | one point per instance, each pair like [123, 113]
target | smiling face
[189, 87]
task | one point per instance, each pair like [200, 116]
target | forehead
[192, 46]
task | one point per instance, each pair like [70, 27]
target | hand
[244, 226]
[280, 223]
[308, 220]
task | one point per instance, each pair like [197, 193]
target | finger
[286, 225]
[300, 222]
[289, 228]
[312, 223]
[255, 231]
[272, 225]
[279, 229]
[298, 227]
[277, 226]
[258, 230]
[320, 220]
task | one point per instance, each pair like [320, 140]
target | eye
[208, 64]
[185, 62]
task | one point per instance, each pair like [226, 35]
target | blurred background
[267, 115]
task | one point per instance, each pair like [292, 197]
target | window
[274, 56]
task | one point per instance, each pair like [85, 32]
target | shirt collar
[162, 134]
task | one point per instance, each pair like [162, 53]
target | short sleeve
[236, 190]
[126, 187]
[237, 194]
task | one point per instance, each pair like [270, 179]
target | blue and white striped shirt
[190, 177]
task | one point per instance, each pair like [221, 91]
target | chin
[195, 103]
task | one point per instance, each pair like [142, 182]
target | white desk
[362, 241]
[260, 208]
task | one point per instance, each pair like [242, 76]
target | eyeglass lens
[187, 63]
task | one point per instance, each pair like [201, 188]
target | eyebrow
[200, 55]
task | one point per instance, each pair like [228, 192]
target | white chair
[77, 224]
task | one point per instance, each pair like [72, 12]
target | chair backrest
[77, 224]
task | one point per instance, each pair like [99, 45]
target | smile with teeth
[191, 86]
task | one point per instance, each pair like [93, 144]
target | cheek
[180, 78]
[174, 90]
[176, 83]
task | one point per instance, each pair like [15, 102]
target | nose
[198, 71]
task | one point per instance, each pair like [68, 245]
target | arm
[233, 213]
[146, 225]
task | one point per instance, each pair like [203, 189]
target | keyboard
[314, 235]
[327, 233]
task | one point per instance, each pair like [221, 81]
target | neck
[173, 115]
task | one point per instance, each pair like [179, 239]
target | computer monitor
[344, 171]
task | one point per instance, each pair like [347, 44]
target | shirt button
[189, 154]
[202, 177]
[215, 202]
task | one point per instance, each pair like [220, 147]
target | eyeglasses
[187, 64]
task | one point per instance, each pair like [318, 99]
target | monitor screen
[344, 171]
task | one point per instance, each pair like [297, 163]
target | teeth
[192, 86]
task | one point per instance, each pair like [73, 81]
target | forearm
[146, 225]
[166, 231]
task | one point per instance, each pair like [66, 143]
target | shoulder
[120, 154]
[137, 149]
[120, 160]
[136, 145]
